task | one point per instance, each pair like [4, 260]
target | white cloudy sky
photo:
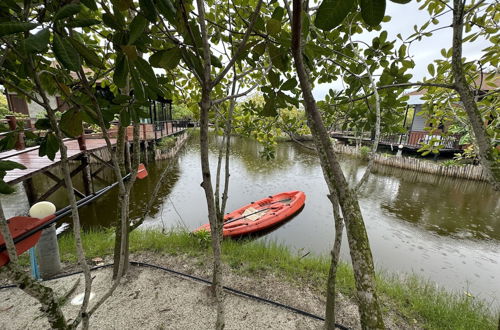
[404, 17]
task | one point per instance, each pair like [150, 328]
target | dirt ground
[153, 299]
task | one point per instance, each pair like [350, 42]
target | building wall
[34, 109]
[418, 123]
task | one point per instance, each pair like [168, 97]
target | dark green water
[446, 230]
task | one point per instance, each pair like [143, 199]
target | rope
[199, 279]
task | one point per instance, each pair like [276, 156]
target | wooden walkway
[35, 164]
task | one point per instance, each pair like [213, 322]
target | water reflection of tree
[446, 206]
[247, 152]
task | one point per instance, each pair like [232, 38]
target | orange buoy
[141, 171]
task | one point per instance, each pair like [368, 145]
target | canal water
[442, 229]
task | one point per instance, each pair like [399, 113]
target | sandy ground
[152, 299]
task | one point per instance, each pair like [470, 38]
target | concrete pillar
[47, 249]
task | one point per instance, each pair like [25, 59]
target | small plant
[364, 151]
[167, 142]
[450, 162]
[203, 237]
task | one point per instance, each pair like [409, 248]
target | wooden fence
[471, 172]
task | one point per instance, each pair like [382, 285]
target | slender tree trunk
[485, 149]
[215, 229]
[45, 296]
[371, 316]
[82, 315]
[332, 274]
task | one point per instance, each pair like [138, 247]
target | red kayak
[262, 214]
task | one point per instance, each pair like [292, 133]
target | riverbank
[416, 303]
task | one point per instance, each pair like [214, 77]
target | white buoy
[400, 151]
[42, 209]
[47, 247]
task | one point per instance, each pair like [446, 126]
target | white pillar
[47, 248]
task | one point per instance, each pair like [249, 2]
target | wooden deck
[35, 164]
[410, 141]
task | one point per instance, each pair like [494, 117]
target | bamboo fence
[471, 172]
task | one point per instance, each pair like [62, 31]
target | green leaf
[7, 165]
[269, 109]
[148, 9]
[259, 49]
[122, 5]
[274, 79]
[71, 123]
[110, 21]
[130, 51]
[125, 118]
[65, 53]
[289, 84]
[7, 28]
[332, 12]
[121, 71]
[49, 146]
[431, 70]
[146, 72]
[214, 60]
[278, 13]
[167, 59]
[137, 28]
[5, 188]
[12, 5]
[82, 22]
[43, 124]
[67, 11]
[37, 43]
[192, 61]
[139, 93]
[273, 26]
[277, 58]
[168, 10]
[88, 54]
[89, 4]
[372, 11]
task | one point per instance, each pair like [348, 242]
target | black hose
[199, 279]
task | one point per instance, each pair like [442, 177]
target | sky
[404, 17]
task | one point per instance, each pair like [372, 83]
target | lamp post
[47, 247]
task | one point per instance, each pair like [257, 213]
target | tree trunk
[82, 315]
[332, 274]
[44, 295]
[215, 229]
[371, 316]
[485, 149]
[14, 273]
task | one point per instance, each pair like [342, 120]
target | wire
[199, 279]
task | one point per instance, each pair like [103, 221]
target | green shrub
[364, 151]
[451, 162]
[167, 142]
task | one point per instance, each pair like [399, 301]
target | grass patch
[412, 298]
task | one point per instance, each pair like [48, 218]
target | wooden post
[20, 135]
[30, 191]
[86, 175]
